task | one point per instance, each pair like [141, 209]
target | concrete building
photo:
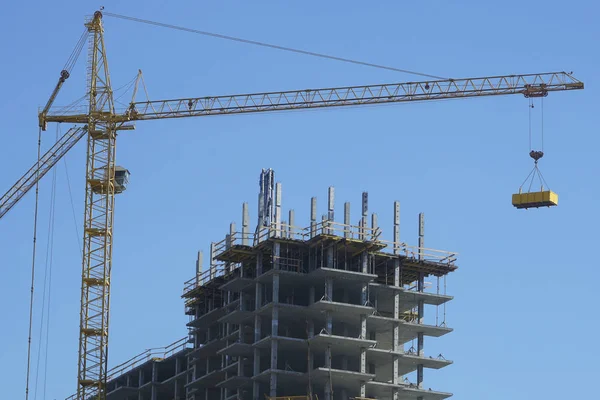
[330, 310]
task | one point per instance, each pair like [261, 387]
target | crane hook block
[536, 155]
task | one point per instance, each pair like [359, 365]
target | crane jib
[531, 85]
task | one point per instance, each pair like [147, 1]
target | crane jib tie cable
[272, 46]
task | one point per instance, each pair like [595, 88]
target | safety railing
[203, 278]
[231, 239]
[326, 227]
[147, 355]
[158, 353]
[282, 230]
[423, 253]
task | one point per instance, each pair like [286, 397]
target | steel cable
[272, 46]
[35, 218]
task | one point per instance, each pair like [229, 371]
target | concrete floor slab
[236, 317]
[231, 367]
[340, 345]
[285, 311]
[238, 284]
[341, 274]
[208, 380]
[207, 319]
[235, 382]
[283, 377]
[285, 277]
[349, 380]
[407, 363]
[207, 348]
[121, 393]
[284, 343]
[237, 350]
[425, 394]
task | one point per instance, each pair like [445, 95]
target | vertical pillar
[313, 217]
[198, 267]
[153, 391]
[230, 243]
[213, 266]
[396, 346]
[278, 209]
[365, 210]
[257, 325]
[345, 360]
[330, 208]
[421, 307]
[330, 220]
[347, 231]
[373, 226]
[396, 227]
[274, 333]
[364, 292]
[245, 225]
[291, 226]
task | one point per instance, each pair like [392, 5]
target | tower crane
[104, 179]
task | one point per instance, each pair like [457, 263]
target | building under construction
[329, 311]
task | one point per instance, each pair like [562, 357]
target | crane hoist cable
[47, 288]
[35, 219]
[272, 46]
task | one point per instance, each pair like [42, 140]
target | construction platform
[329, 311]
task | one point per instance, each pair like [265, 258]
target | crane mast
[104, 179]
[98, 220]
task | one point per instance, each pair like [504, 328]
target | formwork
[328, 311]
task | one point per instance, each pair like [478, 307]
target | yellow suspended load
[543, 198]
[546, 198]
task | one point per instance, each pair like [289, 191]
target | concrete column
[329, 289]
[245, 225]
[257, 325]
[278, 209]
[141, 378]
[213, 266]
[276, 256]
[396, 332]
[364, 295]
[274, 332]
[396, 226]
[291, 227]
[327, 391]
[373, 226]
[365, 211]
[313, 217]
[198, 267]
[421, 306]
[256, 385]
[347, 232]
[330, 208]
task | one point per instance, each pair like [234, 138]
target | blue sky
[524, 309]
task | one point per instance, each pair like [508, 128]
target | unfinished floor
[330, 310]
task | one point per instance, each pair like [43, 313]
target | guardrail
[147, 355]
[423, 253]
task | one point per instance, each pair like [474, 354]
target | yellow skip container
[545, 198]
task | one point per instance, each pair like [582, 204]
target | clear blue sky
[524, 309]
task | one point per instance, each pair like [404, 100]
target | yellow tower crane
[104, 179]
